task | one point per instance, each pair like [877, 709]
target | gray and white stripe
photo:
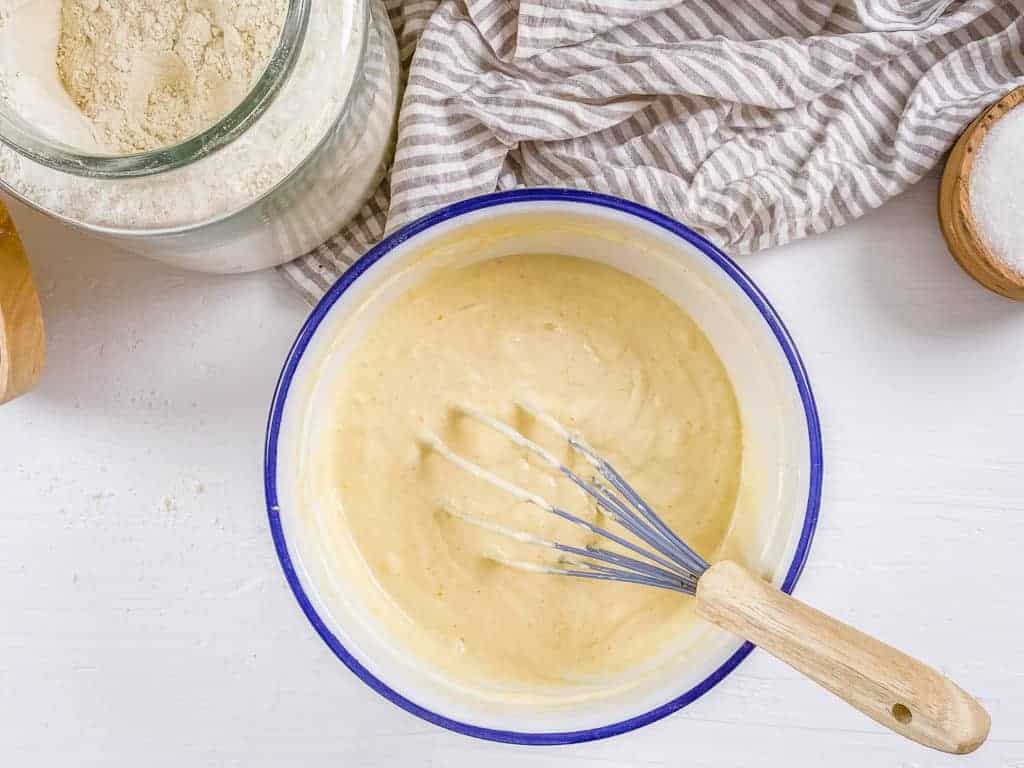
[755, 123]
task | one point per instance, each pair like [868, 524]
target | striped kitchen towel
[755, 123]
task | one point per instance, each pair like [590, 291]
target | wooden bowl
[956, 216]
[22, 347]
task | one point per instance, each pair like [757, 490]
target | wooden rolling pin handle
[885, 684]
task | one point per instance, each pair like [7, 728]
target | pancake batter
[604, 353]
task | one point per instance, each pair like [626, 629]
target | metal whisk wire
[892, 688]
[666, 561]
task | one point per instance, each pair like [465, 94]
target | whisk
[885, 684]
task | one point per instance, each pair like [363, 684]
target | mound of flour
[150, 73]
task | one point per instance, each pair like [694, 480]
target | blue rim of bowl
[421, 225]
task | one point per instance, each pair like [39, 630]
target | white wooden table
[144, 620]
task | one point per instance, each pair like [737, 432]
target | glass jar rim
[22, 138]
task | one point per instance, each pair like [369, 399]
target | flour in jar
[151, 73]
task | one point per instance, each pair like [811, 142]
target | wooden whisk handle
[885, 684]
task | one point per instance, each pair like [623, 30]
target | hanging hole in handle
[902, 713]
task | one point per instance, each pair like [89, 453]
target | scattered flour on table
[151, 73]
[997, 189]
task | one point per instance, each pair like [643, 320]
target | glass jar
[275, 177]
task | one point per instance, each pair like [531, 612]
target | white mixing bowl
[779, 492]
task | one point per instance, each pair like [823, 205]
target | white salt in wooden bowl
[958, 218]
